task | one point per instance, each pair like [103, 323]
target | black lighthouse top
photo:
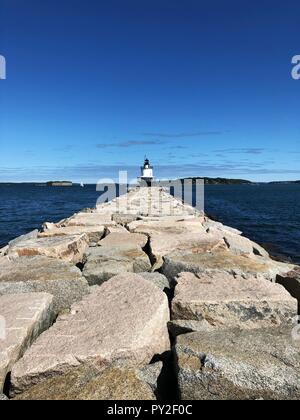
[147, 164]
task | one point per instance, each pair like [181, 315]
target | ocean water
[268, 214]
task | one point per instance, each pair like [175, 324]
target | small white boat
[82, 184]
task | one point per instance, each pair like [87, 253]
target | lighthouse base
[145, 181]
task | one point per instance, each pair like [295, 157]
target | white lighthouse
[147, 172]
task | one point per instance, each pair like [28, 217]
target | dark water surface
[268, 214]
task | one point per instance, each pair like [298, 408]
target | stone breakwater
[144, 297]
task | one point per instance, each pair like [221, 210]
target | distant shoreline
[232, 181]
[207, 181]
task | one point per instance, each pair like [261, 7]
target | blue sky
[203, 88]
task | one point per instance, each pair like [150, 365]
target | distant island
[207, 181]
[232, 181]
[59, 184]
[217, 181]
[284, 182]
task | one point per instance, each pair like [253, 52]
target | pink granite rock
[119, 239]
[88, 219]
[125, 320]
[68, 248]
[43, 274]
[94, 233]
[223, 300]
[167, 236]
[22, 318]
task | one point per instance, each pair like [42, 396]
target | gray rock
[107, 261]
[31, 235]
[124, 321]
[22, 318]
[124, 240]
[87, 219]
[86, 382]
[238, 244]
[68, 248]
[3, 251]
[94, 289]
[183, 326]
[152, 202]
[224, 301]
[150, 373]
[123, 219]
[291, 282]
[259, 250]
[239, 365]
[94, 233]
[167, 236]
[158, 279]
[180, 261]
[114, 228]
[212, 226]
[42, 274]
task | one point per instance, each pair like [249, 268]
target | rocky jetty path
[144, 297]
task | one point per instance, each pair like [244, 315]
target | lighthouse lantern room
[147, 172]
